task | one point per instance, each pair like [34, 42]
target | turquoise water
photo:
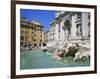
[36, 59]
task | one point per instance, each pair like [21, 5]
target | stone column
[73, 28]
[85, 28]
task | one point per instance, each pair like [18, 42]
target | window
[32, 34]
[34, 40]
[22, 38]
[41, 40]
[26, 33]
[35, 35]
[41, 35]
[25, 38]
[22, 32]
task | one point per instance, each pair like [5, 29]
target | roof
[25, 20]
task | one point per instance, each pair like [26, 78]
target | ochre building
[31, 33]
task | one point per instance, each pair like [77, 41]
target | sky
[44, 17]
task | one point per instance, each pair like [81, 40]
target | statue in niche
[78, 32]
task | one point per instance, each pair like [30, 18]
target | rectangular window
[34, 40]
[35, 35]
[22, 38]
[26, 33]
[41, 40]
[41, 35]
[26, 38]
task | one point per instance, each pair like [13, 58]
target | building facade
[31, 33]
[69, 26]
[46, 37]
